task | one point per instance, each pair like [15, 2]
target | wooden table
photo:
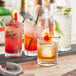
[66, 67]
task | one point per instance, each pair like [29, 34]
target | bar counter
[66, 66]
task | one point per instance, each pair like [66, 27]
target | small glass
[13, 39]
[31, 33]
[47, 52]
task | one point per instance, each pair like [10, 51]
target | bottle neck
[22, 5]
[39, 2]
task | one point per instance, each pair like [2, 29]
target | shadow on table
[71, 73]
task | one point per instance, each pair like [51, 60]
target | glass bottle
[38, 7]
[23, 12]
[46, 22]
[4, 14]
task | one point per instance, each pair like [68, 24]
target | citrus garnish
[57, 29]
[43, 32]
[47, 37]
[14, 14]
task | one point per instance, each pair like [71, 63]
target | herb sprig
[57, 29]
[67, 11]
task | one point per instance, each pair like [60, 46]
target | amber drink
[47, 52]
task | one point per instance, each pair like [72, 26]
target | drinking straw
[37, 19]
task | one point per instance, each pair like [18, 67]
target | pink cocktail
[13, 39]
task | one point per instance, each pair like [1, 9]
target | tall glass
[13, 39]
[63, 29]
[31, 33]
[47, 52]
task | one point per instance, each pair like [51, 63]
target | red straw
[16, 16]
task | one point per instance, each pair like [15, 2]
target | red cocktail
[13, 39]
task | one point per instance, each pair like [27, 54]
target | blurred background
[16, 4]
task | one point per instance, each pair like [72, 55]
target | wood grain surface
[66, 67]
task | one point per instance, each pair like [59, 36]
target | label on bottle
[2, 25]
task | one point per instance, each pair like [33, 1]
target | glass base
[16, 55]
[31, 53]
[64, 48]
[47, 63]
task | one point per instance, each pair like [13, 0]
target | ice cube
[47, 52]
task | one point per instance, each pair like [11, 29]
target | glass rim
[47, 42]
[54, 39]
[50, 37]
[14, 22]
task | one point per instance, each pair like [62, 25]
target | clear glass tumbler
[13, 39]
[31, 33]
[47, 52]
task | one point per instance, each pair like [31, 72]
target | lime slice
[57, 29]
[44, 31]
